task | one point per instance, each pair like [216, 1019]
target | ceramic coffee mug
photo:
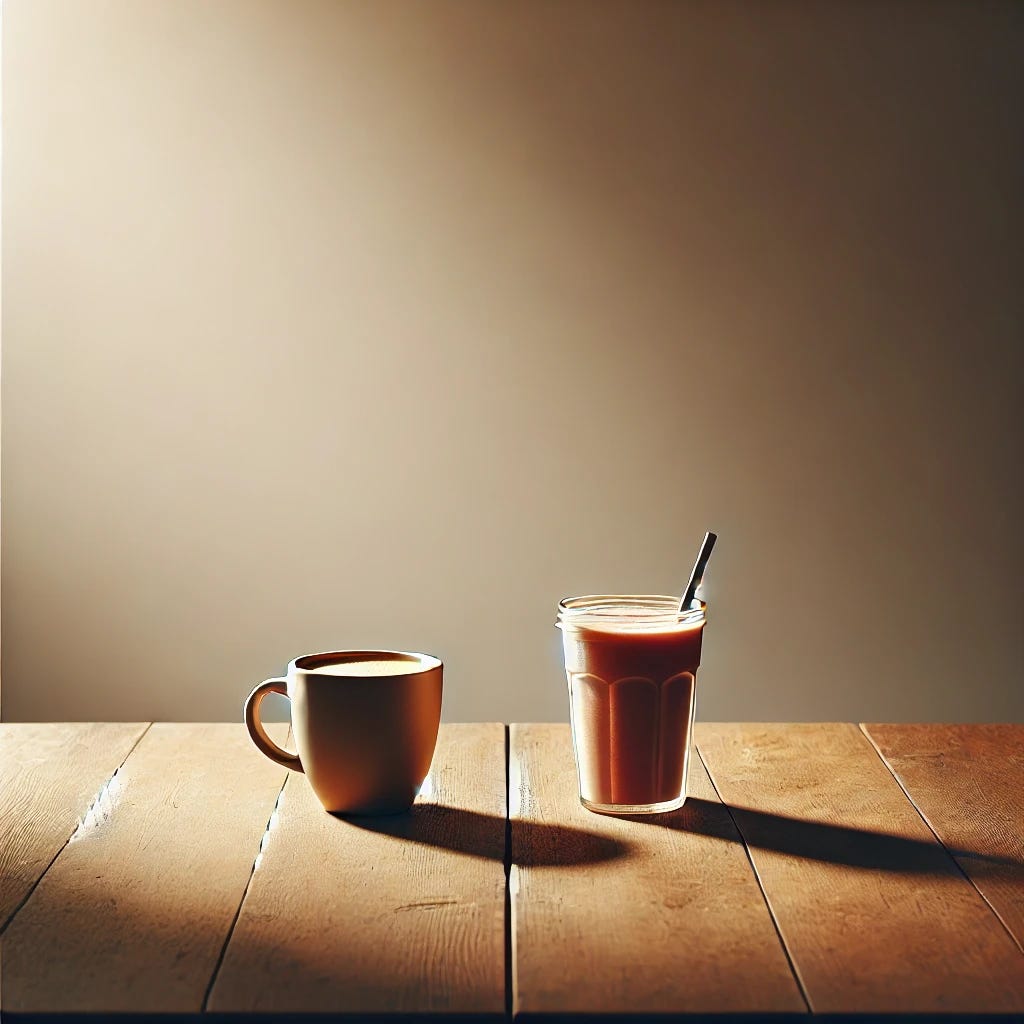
[365, 724]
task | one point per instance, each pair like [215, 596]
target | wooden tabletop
[827, 869]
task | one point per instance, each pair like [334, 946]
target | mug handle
[256, 731]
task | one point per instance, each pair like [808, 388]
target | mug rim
[426, 662]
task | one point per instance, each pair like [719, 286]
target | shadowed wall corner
[334, 325]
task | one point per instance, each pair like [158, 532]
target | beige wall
[345, 324]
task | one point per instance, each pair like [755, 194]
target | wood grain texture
[876, 916]
[133, 914]
[968, 783]
[399, 914]
[649, 915]
[49, 776]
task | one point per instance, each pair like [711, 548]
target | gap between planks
[53, 860]
[241, 902]
[248, 883]
[764, 895]
[509, 929]
[924, 817]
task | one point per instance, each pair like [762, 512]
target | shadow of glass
[533, 844]
[820, 841]
[536, 844]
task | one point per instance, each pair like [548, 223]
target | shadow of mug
[523, 843]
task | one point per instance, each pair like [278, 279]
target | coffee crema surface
[369, 667]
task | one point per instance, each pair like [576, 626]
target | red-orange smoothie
[631, 664]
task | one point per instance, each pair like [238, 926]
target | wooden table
[171, 869]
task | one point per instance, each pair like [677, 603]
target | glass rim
[613, 608]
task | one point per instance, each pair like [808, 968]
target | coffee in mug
[365, 724]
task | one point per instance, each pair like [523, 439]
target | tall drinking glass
[631, 663]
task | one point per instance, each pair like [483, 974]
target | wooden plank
[134, 913]
[400, 914]
[649, 915]
[968, 783]
[49, 776]
[876, 916]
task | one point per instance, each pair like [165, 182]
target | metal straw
[698, 571]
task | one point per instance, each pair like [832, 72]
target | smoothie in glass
[631, 663]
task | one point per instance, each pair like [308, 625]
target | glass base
[661, 808]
